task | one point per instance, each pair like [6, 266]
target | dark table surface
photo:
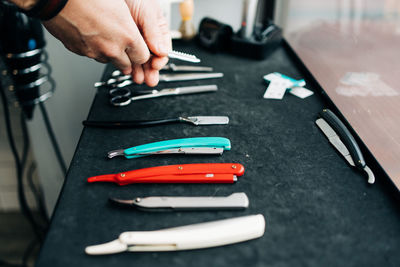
[318, 210]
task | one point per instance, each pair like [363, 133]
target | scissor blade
[174, 77]
[208, 120]
[195, 89]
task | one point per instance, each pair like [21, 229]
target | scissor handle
[120, 96]
[120, 92]
[196, 89]
[127, 92]
[120, 101]
[126, 100]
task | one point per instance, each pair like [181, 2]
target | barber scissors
[124, 96]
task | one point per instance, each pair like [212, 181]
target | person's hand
[106, 31]
[152, 24]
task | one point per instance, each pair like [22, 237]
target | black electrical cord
[25, 258]
[53, 138]
[26, 143]
[11, 43]
[21, 193]
[25, 153]
[28, 251]
[20, 166]
[38, 193]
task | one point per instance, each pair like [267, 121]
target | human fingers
[138, 73]
[122, 62]
[137, 49]
[165, 33]
[158, 63]
[152, 24]
[151, 76]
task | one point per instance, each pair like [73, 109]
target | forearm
[24, 4]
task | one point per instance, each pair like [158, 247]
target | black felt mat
[319, 212]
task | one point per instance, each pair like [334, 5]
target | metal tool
[126, 80]
[196, 145]
[249, 17]
[233, 201]
[117, 77]
[340, 137]
[182, 173]
[177, 68]
[178, 77]
[172, 67]
[195, 236]
[183, 56]
[122, 96]
[114, 80]
[195, 120]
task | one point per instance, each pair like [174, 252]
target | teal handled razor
[195, 145]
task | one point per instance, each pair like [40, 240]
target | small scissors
[124, 96]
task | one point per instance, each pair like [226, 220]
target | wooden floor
[15, 236]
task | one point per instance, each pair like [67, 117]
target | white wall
[75, 76]
[227, 11]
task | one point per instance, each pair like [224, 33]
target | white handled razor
[195, 236]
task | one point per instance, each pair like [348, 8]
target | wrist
[24, 4]
[45, 9]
